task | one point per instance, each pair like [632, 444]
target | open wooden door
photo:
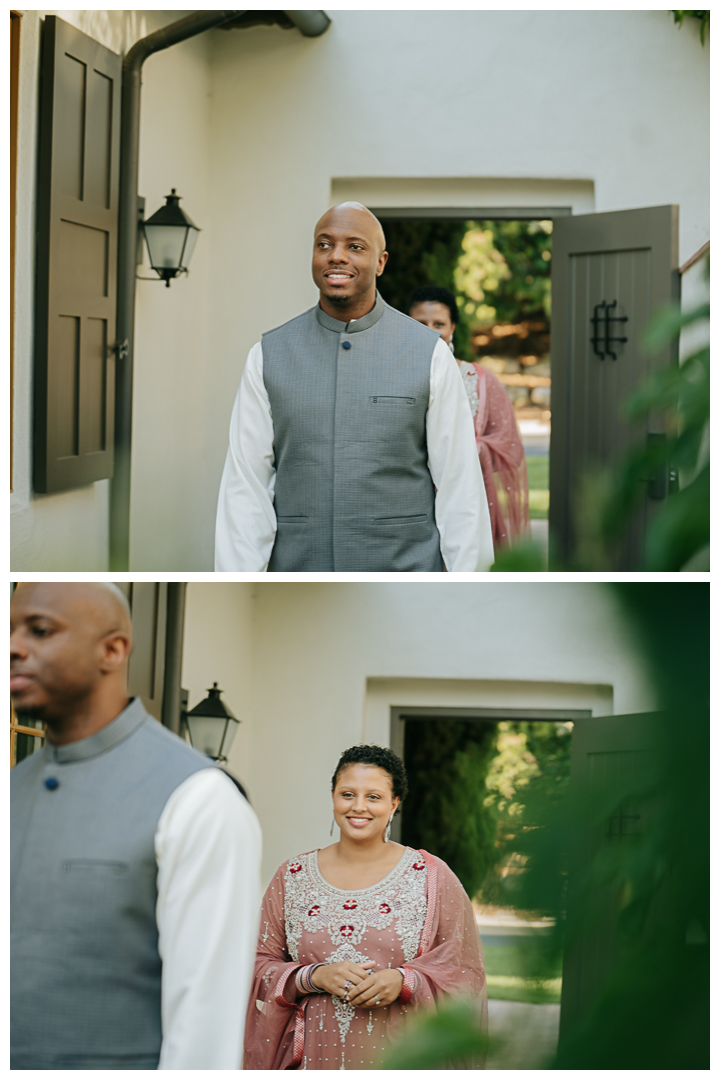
[610, 272]
[611, 756]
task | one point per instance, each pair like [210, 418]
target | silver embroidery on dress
[470, 381]
[311, 903]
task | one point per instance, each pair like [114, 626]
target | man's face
[347, 256]
[56, 651]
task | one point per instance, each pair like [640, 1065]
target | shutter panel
[78, 180]
[617, 268]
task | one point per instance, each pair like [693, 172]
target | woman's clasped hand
[367, 989]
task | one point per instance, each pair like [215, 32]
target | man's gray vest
[85, 969]
[353, 491]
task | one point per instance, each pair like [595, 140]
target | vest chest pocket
[388, 399]
[94, 894]
[96, 867]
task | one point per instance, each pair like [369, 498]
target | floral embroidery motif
[398, 902]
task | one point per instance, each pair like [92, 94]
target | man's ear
[382, 263]
[116, 647]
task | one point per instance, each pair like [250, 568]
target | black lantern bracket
[602, 337]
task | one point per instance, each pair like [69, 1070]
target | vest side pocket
[411, 519]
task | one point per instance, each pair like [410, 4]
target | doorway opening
[475, 778]
[498, 267]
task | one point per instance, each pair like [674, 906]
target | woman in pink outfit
[502, 457]
[355, 936]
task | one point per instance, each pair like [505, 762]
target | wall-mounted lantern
[211, 726]
[170, 236]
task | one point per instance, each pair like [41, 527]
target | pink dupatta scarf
[449, 963]
[502, 456]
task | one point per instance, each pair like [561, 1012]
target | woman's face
[435, 315]
[363, 802]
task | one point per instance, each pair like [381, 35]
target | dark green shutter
[78, 174]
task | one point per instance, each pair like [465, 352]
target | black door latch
[602, 338]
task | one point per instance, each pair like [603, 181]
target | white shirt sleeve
[246, 524]
[461, 507]
[208, 846]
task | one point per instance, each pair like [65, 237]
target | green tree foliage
[422, 251]
[703, 18]
[531, 768]
[447, 763]
[499, 271]
[503, 274]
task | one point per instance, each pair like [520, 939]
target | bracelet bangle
[408, 985]
[303, 979]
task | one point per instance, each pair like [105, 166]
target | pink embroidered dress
[418, 918]
[502, 456]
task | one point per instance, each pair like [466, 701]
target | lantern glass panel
[192, 236]
[230, 734]
[165, 245]
[206, 734]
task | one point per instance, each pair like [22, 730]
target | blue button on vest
[85, 968]
[353, 490]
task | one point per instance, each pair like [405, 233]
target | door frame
[484, 213]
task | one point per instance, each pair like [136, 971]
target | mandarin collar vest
[106, 739]
[355, 325]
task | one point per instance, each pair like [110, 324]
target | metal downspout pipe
[171, 706]
[309, 23]
[127, 247]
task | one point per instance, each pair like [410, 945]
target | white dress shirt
[246, 524]
[207, 846]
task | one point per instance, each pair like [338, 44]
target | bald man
[134, 860]
[351, 444]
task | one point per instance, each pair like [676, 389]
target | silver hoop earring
[333, 825]
[387, 828]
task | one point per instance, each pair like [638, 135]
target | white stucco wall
[259, 130]
[315, 668]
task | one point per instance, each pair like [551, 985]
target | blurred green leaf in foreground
[651, 1008]
[453, 1037]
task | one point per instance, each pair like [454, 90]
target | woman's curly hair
[383, 758]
